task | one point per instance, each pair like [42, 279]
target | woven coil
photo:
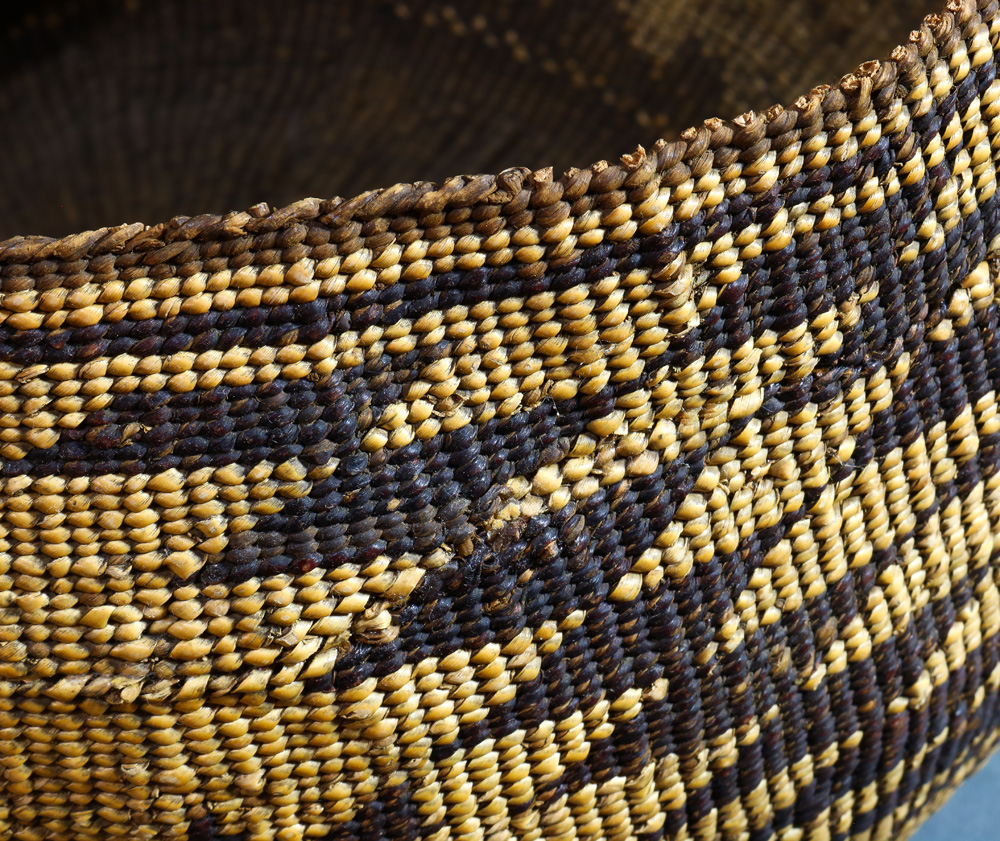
[659, 500]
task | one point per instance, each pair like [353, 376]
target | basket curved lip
[667, 158]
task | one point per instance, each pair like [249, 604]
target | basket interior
[120, 111]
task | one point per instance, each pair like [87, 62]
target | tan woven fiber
[655, 500]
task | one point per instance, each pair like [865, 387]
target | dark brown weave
[655, 500]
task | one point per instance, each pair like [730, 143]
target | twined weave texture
[660, 500]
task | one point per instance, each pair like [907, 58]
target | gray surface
[972, 814]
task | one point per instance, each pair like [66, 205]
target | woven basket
[659, 500]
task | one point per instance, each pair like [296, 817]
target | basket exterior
[658, 500]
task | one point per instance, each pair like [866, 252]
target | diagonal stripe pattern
[658, 500]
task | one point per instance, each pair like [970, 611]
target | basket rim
[851, 94]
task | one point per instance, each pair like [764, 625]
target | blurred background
[972, 814]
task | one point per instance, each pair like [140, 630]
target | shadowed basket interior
[123, 111]
[651, 498]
